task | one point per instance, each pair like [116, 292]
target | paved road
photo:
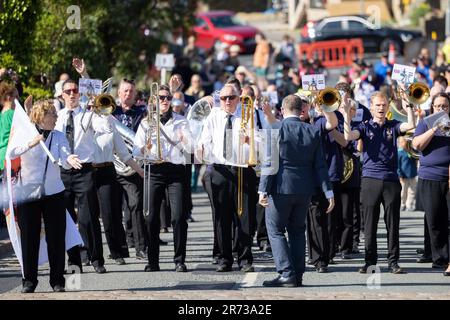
[202, 282]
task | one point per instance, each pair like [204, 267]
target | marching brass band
[130, 158]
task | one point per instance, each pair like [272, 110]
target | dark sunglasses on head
[224, 98]
[168, 98]
[131, 81]
[69, 91]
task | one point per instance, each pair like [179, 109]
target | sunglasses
[168, 98]
[131, 81]
[69, 91]
[224, 98]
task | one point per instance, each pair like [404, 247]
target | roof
[216, 13]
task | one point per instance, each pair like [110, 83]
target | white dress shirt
[212, 139]
[83, 141]
[33, 163]
[107, 141]
[180, 153]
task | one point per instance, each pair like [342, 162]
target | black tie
[227, 142]
[70, 131]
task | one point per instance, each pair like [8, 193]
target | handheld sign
[313, 82]
[403, 74]
[90, 86]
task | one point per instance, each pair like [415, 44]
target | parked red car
[215, 27]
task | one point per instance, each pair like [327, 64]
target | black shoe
[149, 268]
[120, 261]
[190, 219]
[439, 265]
[322, 269]
[162, 242]
[395, 269]
[59, 288]
[247, 268]
[28, 289]
[364, 268]
[299, 282]
[289, 282]
[165, 230]
[86, 263]
[346, 256]
[424, 259]
[420, 251]
[223, 268]
[99, 269]
[141, 255]
[181, 267]
[215, 260]
[310, 262]
[331, 261]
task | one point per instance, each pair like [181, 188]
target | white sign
[313, 82]
[272, 97]
[403, 74]
[358, 115]
[90, 86]
[164, 61]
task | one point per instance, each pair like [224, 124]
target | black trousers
[317, 230]
[131, 187]
[261, 230]
[53, 210]
[436, 203]
[335, 220]
[375, 192]
[223, 181]
[80, 185]
[206, 180]
[357, 221]
[350, 203]
[167, 177]
[188, 190]
[109, 196]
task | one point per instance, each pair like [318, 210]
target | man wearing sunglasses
[166, 177]
[79, 183]
[219, 145]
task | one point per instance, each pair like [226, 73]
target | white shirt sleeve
[139, 141]
[120, 147]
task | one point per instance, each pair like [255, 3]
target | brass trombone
[153, 120]
[247, 121]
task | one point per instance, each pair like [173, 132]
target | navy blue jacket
[300, 163]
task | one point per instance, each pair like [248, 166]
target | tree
[110, 38]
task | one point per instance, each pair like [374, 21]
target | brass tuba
[348, 166]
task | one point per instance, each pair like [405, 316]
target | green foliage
[38, 93]
[34, 37]
[418, 12]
